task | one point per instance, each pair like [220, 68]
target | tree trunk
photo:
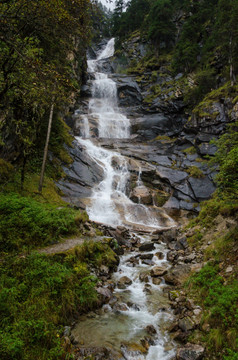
[46, 148]
[23, 172]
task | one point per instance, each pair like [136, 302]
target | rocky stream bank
[186, 318]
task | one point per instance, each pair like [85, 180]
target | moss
[195, 172]
[160, 198]
[164, 138]
[190, 150]
[204, 108]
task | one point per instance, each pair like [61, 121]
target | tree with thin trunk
[46, 147]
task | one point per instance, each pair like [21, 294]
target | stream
[139, 307]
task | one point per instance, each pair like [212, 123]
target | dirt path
[61, 247]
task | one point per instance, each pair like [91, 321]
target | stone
[186, 324]
[104, 270]
[123, 282]
[104, 292]
[151, 329]
[159, 255]
[158, 271]
[202, 188]
[120, 307]
[156, 281]
[190, 352]
[229, 269]
[144, 277]
[146, 256]
[148, 262]
[141, 195]
[147, 247]
[190, 258]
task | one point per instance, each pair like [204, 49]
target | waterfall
[109, 203]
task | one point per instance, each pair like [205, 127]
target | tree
[226, 30]
[161, 26]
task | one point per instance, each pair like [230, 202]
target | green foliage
[25, 222]
[38, 295]
[6, 170]
[36, 67]
[227, 157]
[195, 172]
[204, 82]
[160, 25]
[219, 300]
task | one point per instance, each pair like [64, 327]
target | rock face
[166, 148]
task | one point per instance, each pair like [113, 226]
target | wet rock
[133, 260]
[156, 281]
[147, 247]
[158, 271]
[159, 255]
[128, 92]
[186, 324]
[141, 195]
[123, 282]
[146, 256]
[147, 289]
[144, 277]
[120, 307]
[190, 352]
[113, 300]
[151, 330]
[148, 262]
[133, 306]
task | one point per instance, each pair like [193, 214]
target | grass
[39, 294]
[26, 223]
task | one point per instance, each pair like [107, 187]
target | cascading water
[110, 205]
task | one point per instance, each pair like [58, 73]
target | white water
[111, 327]
[110, 205]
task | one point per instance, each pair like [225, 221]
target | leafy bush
[219, 300]
[26, 222]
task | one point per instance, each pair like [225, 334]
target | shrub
[26, 222]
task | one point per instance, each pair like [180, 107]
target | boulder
[123, 282]
[190, 352]
[146, 256]
[186, 324]
[156, 280]
[147, 247]
[158, 271]
[141, 195]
